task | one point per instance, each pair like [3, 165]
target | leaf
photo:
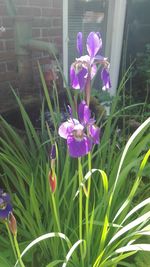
[41, 238]
[135, 247]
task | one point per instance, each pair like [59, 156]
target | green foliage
[100, 226]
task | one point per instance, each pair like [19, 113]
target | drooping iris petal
[78, 148]
[80, 43]
[78, 78]
[66, 128]
[5, 205]
[105, 79]
[84, 113]
[73, 78]
[82, 76]
[5, 197]
[94, 132]
[4, 212]
[94, 43]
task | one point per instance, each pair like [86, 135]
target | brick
[7, 21]
[8, 34]
[20, 2]
[3, 10]
[29, 11]
[2, 66]
[42, 3]
[11, 66]
[42, 22]
[36, 32]
[54, 12]
[51, 32]
[9, 45]
[57, 3]
[1, 45]
[57, 22]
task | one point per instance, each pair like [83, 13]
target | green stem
[80, 206]
[57, 219]
[18, 251]
[55, 212]
[87, 208]
[11, 240]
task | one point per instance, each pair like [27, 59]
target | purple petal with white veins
[78, 148]
[82, 76]
[94, 133]
[80, 43]
[5, 212]
[94, 43]
[78, 79]
[84, 113]
[6, 197]
[105, 79]
[73, 78]
[66, 128]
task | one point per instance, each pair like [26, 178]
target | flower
[5, 205]
[81, 134]
[85, 66]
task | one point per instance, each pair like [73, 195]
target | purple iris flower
[5, 205]
[81, 134]
[86, 66]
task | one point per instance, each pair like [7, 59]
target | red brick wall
[46, 25]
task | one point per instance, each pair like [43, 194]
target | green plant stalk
[56, 212]
[18, 251]
[87, 208]
[57, 218]
[80, 207]
[11, 240]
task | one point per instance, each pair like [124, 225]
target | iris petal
[94, 133]
[82, 76]
[78, 148]
[74, 78]
[80, 43]
[66, 128]
[94, 43]
[84, 113]
[5, 212]
[78, 79]
[106, 79]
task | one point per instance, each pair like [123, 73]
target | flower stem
[55, 212]
[57, 219]
[18, 251]
[11, 240]
[87, 208]
[80, 206]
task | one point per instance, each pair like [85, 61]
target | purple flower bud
[53, 152]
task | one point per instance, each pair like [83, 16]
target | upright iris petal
[80, 43]
[84, 113]
[94, 43]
